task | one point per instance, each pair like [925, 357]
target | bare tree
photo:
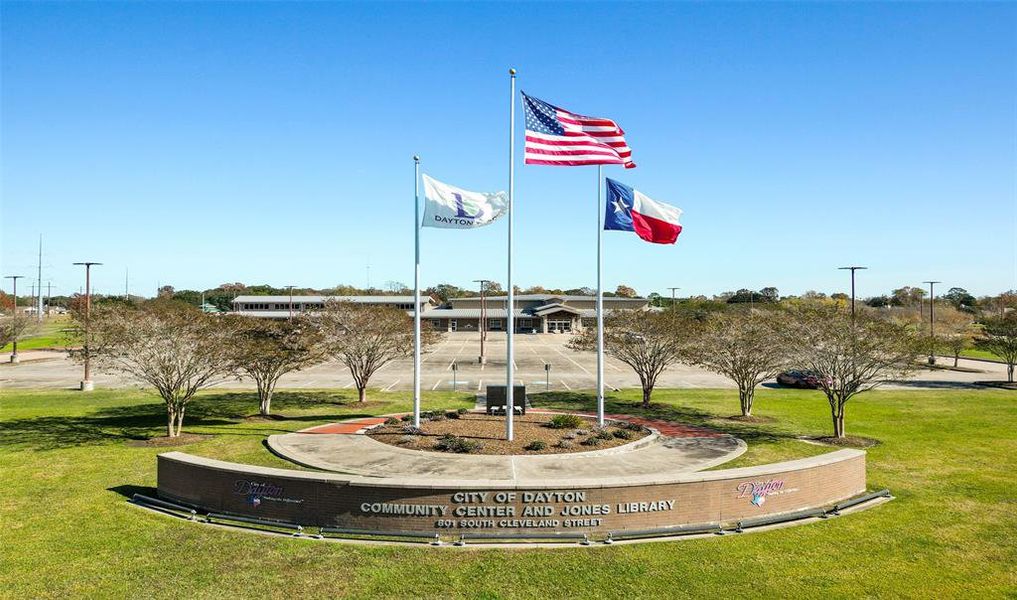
[850, 357]
[999, 336]
[365, 338]
[955, 331]
[747, 347]
[265, 350]
[13, 327]
[648, 342]
[169, 345]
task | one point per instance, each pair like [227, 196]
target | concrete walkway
[337, 448]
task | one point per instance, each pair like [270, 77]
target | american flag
[554, 136]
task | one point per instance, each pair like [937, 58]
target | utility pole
[483, 318]
[38, 301]
[14, 354]
[290, 289]
[932, 321]
[127, 284]
[49, 295]
[852, 269]
[673, 289]
[86, 383]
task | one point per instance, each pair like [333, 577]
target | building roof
[546, 297]
[321, 299]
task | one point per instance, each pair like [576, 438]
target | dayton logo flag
[555, 136]
[631, 210]
[450, 207]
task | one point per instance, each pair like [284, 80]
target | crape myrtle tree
[999, 336]
[648, 342]
[955, 331]
[169, 345]
[850, 356]
[13, 327]
[366, 338]
[265, 350]
[746, 346]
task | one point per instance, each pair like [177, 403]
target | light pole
[852, 269]
[672, 296]
[86, 383]
[14, 353]
[483, 317]
[932, 321]
[290, 289]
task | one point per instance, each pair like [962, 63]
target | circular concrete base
[87, 386]
[15, 359]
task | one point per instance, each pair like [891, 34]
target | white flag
[454, 208]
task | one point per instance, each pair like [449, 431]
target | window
[494, 325]
[455, 325]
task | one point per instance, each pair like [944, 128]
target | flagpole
[416, 291]
[510, 321]
[600, 297]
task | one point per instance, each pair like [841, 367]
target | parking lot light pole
[289, 288]
[483, 317]
[932, 321]
[14, 351]
[852, 269]
[673, 289]
[86, 383]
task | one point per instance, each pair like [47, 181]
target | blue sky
[197, 144]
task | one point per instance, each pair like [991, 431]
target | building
[533, 313]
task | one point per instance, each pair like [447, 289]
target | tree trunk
[362, 393]
[180, 421]
[171, 418]
[956, 357]
[1009, 372]
[266, 402]
[838, 423]
[647, 390]
[745, 398]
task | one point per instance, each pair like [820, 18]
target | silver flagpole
[600, 297]
[416, 291]
[510, 321]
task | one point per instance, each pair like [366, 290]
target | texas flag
[631, 210]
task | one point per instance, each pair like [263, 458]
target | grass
[50, 335]
[976, 353]
[66, 468]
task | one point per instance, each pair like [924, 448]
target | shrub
[623, 434]
[411, 430]
[565, 422]
[603, 434]
[565, 443]
[633, 426]
[452, 415]
[405, 418]
[392, 421]
[451, 443]
[569, 436]
[582, 432]
[462, 411]
[436, 417]
[536, 445]
[591, 441]
[407, 439]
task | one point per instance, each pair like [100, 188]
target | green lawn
[51, 334]
[66, 468]
[976, 353]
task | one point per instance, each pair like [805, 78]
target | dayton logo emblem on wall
[757, 491]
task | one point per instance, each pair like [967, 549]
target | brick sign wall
[318, 499]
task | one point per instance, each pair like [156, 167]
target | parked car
[808, 380]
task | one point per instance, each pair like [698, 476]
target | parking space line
[436, 384]
[570, 359]
[390, 386]
[566, 385]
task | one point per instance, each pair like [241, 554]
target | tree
[265, 350]
[850, 357]
[770, 294]
[13, 327]
[365, 338]
[648, 342]
[960, 298]
[907, 296]
[999, 336]
[445, 291]
[746, 347]
[624, 291]
[955, 331]
[169, 345]
[165, 291]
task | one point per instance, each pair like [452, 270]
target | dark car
[808, 380]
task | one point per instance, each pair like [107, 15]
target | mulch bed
[163, 441]
[851, 441]
[489, 430]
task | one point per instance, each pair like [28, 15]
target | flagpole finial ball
[416, 158]
[512, 71]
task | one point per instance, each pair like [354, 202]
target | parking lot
[453, 363]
